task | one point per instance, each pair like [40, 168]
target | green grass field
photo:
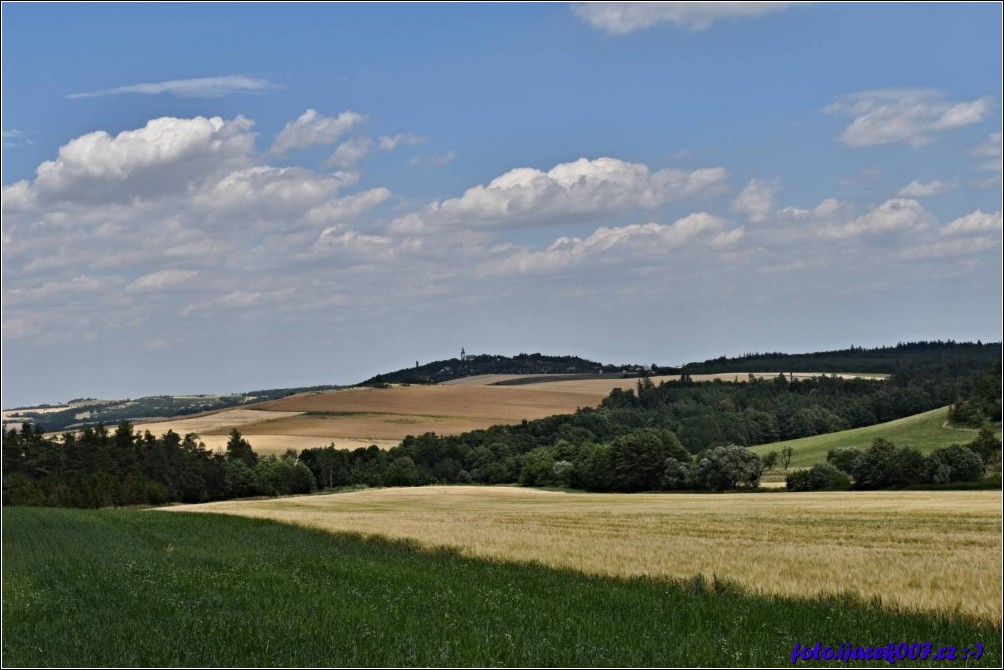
[143, 588]
[925, 432]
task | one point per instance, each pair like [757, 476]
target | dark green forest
[911, 358]
[670, 436]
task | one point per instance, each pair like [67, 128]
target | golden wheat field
[918, 550]
[512, 403]
[362, 416]
[216, 421]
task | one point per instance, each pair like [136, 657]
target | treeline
[98, 468]
[884, 465]
[926, 358]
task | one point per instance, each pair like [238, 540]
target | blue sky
[204, 198]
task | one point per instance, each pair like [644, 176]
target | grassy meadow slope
[139, 588]
[926, 432]
[934, 551]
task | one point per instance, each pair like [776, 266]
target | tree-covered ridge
[493, 364]
[927, 357]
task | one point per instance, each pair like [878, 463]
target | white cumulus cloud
[895, 215]
[920, 189]
[907, 116]
[163, 156]
[313, 129]
[949, 248]
[345, 209]
[580, 189]
[728, 239]
[348, 154]
[756, 201]
[991, 148]
[265, 191]
[611, 245]
[162, 280]
[13, 138]
[975, 222]
[625, 17]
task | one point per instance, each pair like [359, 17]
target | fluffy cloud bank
[159, 231]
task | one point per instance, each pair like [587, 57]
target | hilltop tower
[463, 354]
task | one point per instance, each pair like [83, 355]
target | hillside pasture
[926, 432]
[925, 551]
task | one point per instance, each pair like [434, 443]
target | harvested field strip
[929, 551]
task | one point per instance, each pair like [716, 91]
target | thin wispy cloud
[620, 18]
[903, 116]
[920, 189]
[990, 148]
[14, 138]
[200, 87]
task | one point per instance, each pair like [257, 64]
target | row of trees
[98, 468]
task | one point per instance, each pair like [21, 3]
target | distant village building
[463, 354]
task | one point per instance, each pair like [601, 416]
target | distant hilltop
[467, 365]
